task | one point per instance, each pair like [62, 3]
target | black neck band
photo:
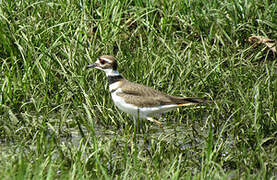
[113, 79]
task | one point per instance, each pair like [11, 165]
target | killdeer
[136, 99]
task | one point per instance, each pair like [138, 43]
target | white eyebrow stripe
[106, 59]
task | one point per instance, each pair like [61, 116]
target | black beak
[92, 65]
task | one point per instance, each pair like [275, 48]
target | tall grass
[57, 119]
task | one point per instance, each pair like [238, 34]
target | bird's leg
[155, 121]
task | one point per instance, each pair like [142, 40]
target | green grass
[57, 119]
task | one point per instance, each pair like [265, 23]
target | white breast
[114, 86]
[125, 107]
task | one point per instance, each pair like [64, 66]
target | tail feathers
[192, 101]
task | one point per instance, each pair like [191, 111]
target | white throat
[111, 72]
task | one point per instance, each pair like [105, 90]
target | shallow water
[184, 135]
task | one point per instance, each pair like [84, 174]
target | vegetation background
[57, 119]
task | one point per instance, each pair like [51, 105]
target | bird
[139, 100]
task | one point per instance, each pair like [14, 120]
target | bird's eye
[102, 61]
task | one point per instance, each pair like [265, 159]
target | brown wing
[141, 95]
[144, 96]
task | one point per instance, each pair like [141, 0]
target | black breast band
[113, 79]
